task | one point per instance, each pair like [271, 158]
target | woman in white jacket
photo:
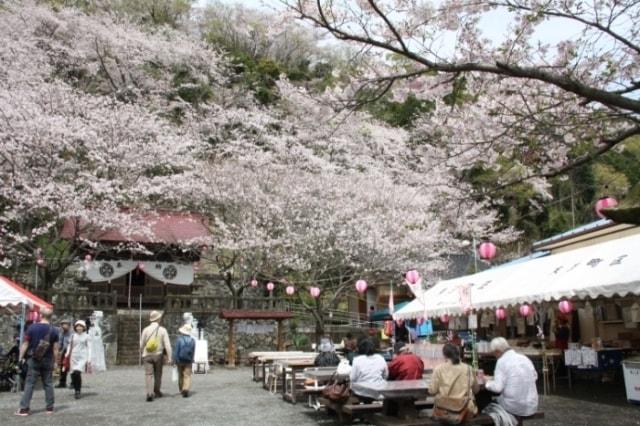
[79, 353]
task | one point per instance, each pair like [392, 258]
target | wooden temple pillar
[231, 350]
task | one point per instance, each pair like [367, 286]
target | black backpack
[40, 352]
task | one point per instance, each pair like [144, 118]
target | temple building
[142, 267]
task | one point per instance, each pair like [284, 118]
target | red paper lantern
[270, 286]
[605, 203]
[315, 292]
[501, 313]
[412, 276]
[487, 250]
[444, 318]
[254, 283]
[290, 290]
[526, 310]
[565, 306]
[361, 286]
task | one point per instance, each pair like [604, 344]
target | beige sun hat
[155, 316]
[80, 323]
[185, 329]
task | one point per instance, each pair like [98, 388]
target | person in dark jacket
[65, 337]
[327, 356]
[39, 365]
[183, 356]
[405, 365]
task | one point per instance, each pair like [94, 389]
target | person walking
[79, 355]
[183, 357]
[65, 338]
[155, 345]
[39, 350]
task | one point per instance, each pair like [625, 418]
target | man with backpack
[39, 350]
[183, 356]
[155, 346]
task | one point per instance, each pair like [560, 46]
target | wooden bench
[346, 412]
[482, 419]
[350, 409]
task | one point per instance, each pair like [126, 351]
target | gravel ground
[229, 398]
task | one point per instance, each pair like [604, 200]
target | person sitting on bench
[515, 380]
[454, 379]
[327, 356]
[405, 365]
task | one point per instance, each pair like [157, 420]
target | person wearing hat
[65, 337]
[79, 355]
[183, 357]
[154, 344]
[327, 356]
[406, 365]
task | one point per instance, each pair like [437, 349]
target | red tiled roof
[255, 315]
[166, 228]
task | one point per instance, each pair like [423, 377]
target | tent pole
[22, 325]
[140, 329]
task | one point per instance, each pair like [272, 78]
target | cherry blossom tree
[70, 153]
[100, 115]
[544, 106]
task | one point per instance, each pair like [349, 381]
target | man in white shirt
[514, 379]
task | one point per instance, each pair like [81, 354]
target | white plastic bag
[344, 369]
[174, 374]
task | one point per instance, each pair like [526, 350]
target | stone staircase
[129, 337]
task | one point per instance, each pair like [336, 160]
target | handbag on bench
[337, 390]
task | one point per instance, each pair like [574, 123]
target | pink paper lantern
[412, 276]
[501, 314]
[605, 203]
[487, 250]
[315, 292]
[361, 286]
[34, 314]
[254, 283]
[444, 318]
[270, 286]
[290, 290]
[526, 310]
[565, 306]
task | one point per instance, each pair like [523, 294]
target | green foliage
[400, 114]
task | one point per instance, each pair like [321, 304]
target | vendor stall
[588, 296]
[18, 300]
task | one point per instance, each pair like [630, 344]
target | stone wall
[8, 328]
[250, 335]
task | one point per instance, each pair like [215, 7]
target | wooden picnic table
[289, 369]
[398, 397]
[262, 359]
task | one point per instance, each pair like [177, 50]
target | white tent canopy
[12, 295]
[601, 270]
